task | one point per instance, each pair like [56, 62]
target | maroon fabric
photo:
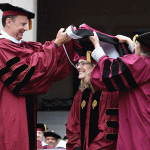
[134, 103]
[47, 147]
[107, 100]
[92, 60]
[13, 13]
[50, 64]
[39, 145]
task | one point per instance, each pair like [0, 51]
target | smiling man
[19, 26]
[26, 68]
[51, 138]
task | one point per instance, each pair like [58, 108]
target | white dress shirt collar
[7, 36]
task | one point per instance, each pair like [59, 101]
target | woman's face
[83, 68]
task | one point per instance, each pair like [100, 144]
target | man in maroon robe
[26, 68]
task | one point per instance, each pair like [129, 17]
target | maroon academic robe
[26, 68]
[47, 147]
[90, 123]
[39, 145]
[130, 75]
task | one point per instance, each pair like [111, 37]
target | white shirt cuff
[131, 47]
[97, 53]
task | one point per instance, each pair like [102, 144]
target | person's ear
[9, 22]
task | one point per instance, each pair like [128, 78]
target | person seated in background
[51, 138]
[39, 134]
[65, 138]
[41, 128]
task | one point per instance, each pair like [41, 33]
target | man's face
[40, 136]
[51, 141]
[18, 26]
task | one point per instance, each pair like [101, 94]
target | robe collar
[44, 144]
[6, 36]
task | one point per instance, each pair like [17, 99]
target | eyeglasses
[82, 63]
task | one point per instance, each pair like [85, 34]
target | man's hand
[62, 37]
[95, 40]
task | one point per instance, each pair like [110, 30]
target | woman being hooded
[93, 121]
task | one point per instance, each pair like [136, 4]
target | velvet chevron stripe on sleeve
[15, 74]
[112, 111]
[25, 81]
[105, 76]
[112, 136]
[115, 75]
[127, 74]
[9, 63]
[112, 124]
